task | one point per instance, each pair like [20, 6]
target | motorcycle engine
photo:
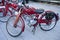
[29, 20]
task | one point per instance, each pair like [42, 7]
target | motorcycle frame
[30, 11]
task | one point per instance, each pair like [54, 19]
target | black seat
[39, 11]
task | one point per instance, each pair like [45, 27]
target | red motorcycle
[46, 20]
[7, 7]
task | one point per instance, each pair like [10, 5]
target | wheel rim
[12, 30]
[44, 26]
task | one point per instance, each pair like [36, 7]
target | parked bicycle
[46, 20]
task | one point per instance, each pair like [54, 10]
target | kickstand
[34, 29]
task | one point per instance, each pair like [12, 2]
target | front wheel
[12, 31]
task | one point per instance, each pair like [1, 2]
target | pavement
[39, 34]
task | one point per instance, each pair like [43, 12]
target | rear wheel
[12, 31]
[49, 25]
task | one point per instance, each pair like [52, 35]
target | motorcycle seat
[39, 11]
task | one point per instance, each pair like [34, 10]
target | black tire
[41, 26]
[16, 29]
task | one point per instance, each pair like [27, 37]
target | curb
[53, 2]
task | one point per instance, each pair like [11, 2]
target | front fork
[17, 18]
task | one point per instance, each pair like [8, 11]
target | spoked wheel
[49, 25]
[3, 18]
[12, 31]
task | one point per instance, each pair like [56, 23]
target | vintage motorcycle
[46, 20]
